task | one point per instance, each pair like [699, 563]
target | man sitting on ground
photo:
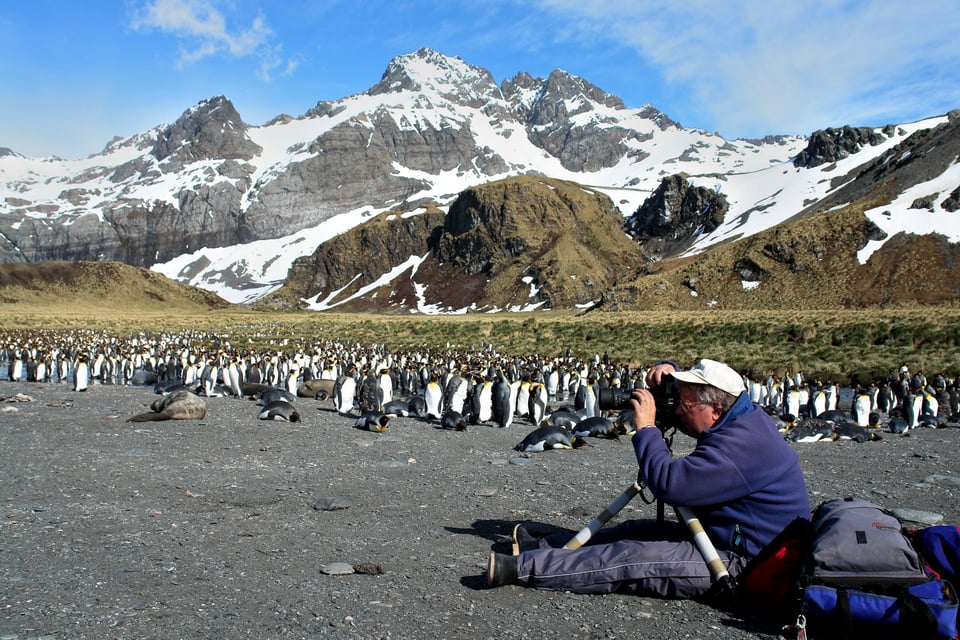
[742, 481]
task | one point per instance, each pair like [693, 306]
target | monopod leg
[597, 523]
[723, 583]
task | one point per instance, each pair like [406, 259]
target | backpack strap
[843, 612]
[916, 618]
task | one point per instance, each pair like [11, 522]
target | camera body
[666, 397]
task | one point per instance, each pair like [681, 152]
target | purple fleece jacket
[742, 480]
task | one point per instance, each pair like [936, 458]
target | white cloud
[757, 65]
[202, 31]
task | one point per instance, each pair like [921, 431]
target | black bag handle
[916, 615]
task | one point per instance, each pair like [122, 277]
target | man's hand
[657, 372]
[644, 409]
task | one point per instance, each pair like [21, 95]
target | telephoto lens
[612, 399]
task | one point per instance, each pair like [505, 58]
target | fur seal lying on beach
[179, 405]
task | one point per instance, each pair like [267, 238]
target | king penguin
[16, 369]
[455, 394]
[453, 421]
[548, 437]
[209, 379]
[523, 399]
[345, 393]
[386, 386]
[792, 403]
[291, 379]
[861, 408]
[81, 375]
[500, 402]
[537, 410]
[433, 398]
[590, 408]
[818, 401]
[553, 383]
[912, 409]
[930, 406]
[484, 401]
[233, 379]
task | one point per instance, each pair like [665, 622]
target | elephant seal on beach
[179, 405]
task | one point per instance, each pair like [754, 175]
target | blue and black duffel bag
[863, 577]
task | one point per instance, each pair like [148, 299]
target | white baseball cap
[716, 374]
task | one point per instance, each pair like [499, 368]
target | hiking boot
[523, 540]
[501, 570]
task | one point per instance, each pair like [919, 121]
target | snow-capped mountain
[215, 202]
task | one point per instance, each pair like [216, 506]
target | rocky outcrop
[674, 215]
[358, 257]
[830, 145]
[923, 154]
[952, 203]
[537, 240]
[516, 243]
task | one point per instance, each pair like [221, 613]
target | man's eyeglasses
[686, 405]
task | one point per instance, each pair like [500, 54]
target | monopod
[723, 583]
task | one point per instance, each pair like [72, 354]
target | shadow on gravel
[493, 530]
[475, 583]
[500, 531]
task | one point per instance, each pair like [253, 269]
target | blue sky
[76, 74]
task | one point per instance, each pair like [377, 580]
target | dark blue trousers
[643, 557]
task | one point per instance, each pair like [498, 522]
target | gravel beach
[233, 527]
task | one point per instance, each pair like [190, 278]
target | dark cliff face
[830, 145]
[672, 217]
[358, 257]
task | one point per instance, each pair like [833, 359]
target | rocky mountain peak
[450, 77]
[575, 94]
[211, 129]
[574, 120]
[521, 91]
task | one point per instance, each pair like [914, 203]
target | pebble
[520, 461]
[920, 517]
[943, 481]
[485, 492]
[137, 451]
[332, 503]
[337, 569]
